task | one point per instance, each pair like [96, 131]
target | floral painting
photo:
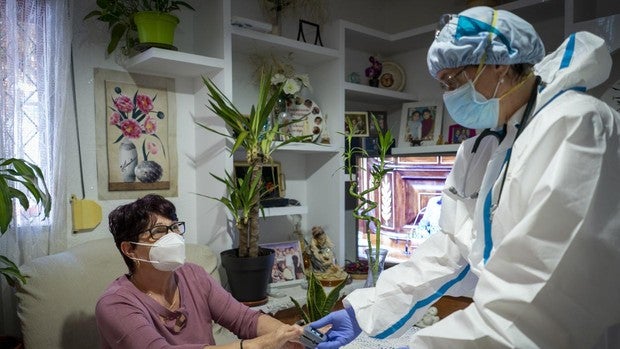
[137, 138]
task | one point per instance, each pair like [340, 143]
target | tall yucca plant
[256, 135]
[31, 177]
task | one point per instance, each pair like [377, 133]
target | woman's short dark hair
[128, 221]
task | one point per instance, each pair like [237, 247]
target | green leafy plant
[366, 208]
[318, 304]
[18, 171]
[118, 14]
[255, 134]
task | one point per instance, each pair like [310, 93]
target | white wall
[89, 49]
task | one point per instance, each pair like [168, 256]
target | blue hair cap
[466, 37]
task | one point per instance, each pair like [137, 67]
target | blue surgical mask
[470, 108]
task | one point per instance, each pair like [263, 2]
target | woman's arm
[272, 334]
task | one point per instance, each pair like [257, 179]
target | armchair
[56, 307]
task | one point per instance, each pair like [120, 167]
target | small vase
[127, 160]
[276, 26]
[371, 281]
[373, 82]
[280, 117]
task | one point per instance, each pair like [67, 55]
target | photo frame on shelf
[288, 264]
[381, 117]
[420, 124]
[359, 120]
[457, 133]
[273, 179]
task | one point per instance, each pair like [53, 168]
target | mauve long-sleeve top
[128, 318]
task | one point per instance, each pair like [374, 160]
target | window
[27, 102]
[408, 202]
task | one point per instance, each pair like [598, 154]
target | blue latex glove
[344, 328]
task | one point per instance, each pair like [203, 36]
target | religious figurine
[323, 259]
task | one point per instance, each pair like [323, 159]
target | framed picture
[457, 133]
[273, 179]
[135, 124]
[381, 117]
[288, 265]
[420, 124]
[359, 120]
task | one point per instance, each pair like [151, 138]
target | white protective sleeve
[437, 267]
[552, 279]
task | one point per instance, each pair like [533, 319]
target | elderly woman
[164, 302]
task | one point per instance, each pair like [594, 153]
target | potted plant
[255, 134]
[130, 18]
[318, 303]
[18, 171]
[366, 209]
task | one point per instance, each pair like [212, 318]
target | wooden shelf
[430, 149]
[174, 64]
[251, 42]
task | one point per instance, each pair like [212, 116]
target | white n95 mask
[167, 253]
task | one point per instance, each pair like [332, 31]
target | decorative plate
[392, 77]
[612, 96]
[311, 119]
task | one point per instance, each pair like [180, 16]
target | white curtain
[35, 36]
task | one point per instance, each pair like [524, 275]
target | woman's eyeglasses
[158, 231]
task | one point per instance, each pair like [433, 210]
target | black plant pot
[248, 277]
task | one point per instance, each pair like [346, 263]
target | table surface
[284, 309]
[365, 342]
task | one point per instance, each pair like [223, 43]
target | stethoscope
[520, 127]
[499, 135]
[488, 207]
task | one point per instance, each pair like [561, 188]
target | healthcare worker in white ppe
[532, 228]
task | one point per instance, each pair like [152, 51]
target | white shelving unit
[285, 211]
[316, 170]
[375, 95]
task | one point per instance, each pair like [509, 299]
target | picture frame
[360, 122]
[288, 264]
[273, 179]
[381, 117]
[136, 145]
[420, 124]
[457, 133]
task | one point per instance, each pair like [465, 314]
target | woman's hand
[285, 336]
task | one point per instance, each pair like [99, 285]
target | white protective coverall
[545, 271]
